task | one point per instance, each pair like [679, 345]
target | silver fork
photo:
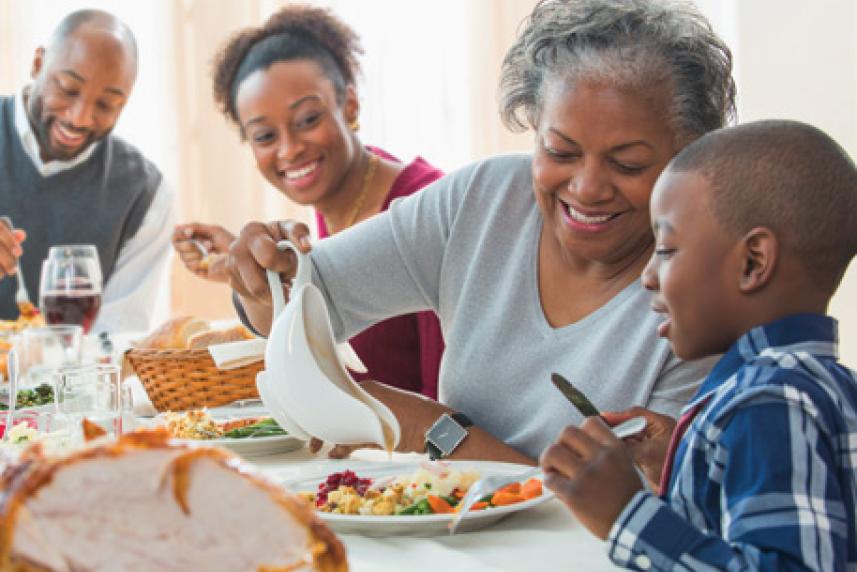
[21, 294]
[200, 246]
[484, 486]
[12, 368]
[489, 484]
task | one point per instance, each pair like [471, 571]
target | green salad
[40, 395]
[264, 428]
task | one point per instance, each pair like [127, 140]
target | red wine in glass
[70, 289]
[71, 307]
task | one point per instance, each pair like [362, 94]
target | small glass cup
[45, 349]
[92, 392]
[127, 419]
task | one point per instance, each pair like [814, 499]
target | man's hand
[591, 471]
[649, 448]
[10, 249]
[187, 239]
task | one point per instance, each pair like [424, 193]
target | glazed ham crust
[148, 503]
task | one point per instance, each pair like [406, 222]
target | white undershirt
[137, 294]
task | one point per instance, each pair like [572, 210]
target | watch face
[446, 434]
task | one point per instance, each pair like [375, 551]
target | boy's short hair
[786, 176]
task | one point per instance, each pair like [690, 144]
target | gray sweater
[101, 201]
[466, 247]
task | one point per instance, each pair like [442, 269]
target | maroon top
[404, 351]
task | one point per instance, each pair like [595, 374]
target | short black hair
[789, 177]
[72, 22]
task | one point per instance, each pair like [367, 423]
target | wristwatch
[446, 435]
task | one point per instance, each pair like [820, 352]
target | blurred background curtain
[428, 88]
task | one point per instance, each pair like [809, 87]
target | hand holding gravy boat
[305, 384]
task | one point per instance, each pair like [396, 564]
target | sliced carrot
[458, 493]
[501, 498]
[532, 489]
[514, 488]
[476, 506]
[439, 505]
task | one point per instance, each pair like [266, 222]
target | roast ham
[146, 503]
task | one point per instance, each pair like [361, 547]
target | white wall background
[797, 59]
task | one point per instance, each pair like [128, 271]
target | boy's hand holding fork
[593, 472]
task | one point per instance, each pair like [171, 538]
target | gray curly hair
[636, 44]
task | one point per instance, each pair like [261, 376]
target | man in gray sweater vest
[65, 179]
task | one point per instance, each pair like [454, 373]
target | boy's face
[693, 272]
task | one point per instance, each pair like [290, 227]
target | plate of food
[255, 435]
[417, 499]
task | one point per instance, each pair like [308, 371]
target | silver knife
[575, 396]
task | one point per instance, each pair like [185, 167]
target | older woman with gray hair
[532, 262]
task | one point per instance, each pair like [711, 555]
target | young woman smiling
[290, 87]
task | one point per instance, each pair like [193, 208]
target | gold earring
[354, 125]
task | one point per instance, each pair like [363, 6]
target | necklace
[361, 198]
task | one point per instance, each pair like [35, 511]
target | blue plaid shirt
[766, 476]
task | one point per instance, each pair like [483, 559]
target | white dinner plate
[419, 525]
[253, 446]
[247, 446]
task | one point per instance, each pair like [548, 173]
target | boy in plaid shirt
[754, 228]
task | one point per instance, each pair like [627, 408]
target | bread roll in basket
[176, 369]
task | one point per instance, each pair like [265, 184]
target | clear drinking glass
[70, 290]
[92, 392]
[127, 419]
[45, 349]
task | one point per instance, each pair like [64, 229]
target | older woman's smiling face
[598, 153]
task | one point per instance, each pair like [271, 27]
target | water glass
[92, 392]
[127, 419]
[70, 289]
[45, 349]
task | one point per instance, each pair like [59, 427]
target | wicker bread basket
[176, 380]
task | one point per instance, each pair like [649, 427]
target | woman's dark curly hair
[294, 33]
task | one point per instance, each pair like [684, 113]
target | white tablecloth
[544, 538]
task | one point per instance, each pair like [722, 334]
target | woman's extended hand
[414, 412]
[214, 238]
[649, 448]
[252, 254]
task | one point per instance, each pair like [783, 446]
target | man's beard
[42, 129]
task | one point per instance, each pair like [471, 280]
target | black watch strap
[462, 419]
[433, 451]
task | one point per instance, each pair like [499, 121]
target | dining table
[545, 538]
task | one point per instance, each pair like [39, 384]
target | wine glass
[70, 290]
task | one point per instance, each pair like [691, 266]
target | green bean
[410, 509]
[264, 428]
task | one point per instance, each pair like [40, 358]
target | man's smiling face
[79, 90]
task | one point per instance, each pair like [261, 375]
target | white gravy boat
[305, 384]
